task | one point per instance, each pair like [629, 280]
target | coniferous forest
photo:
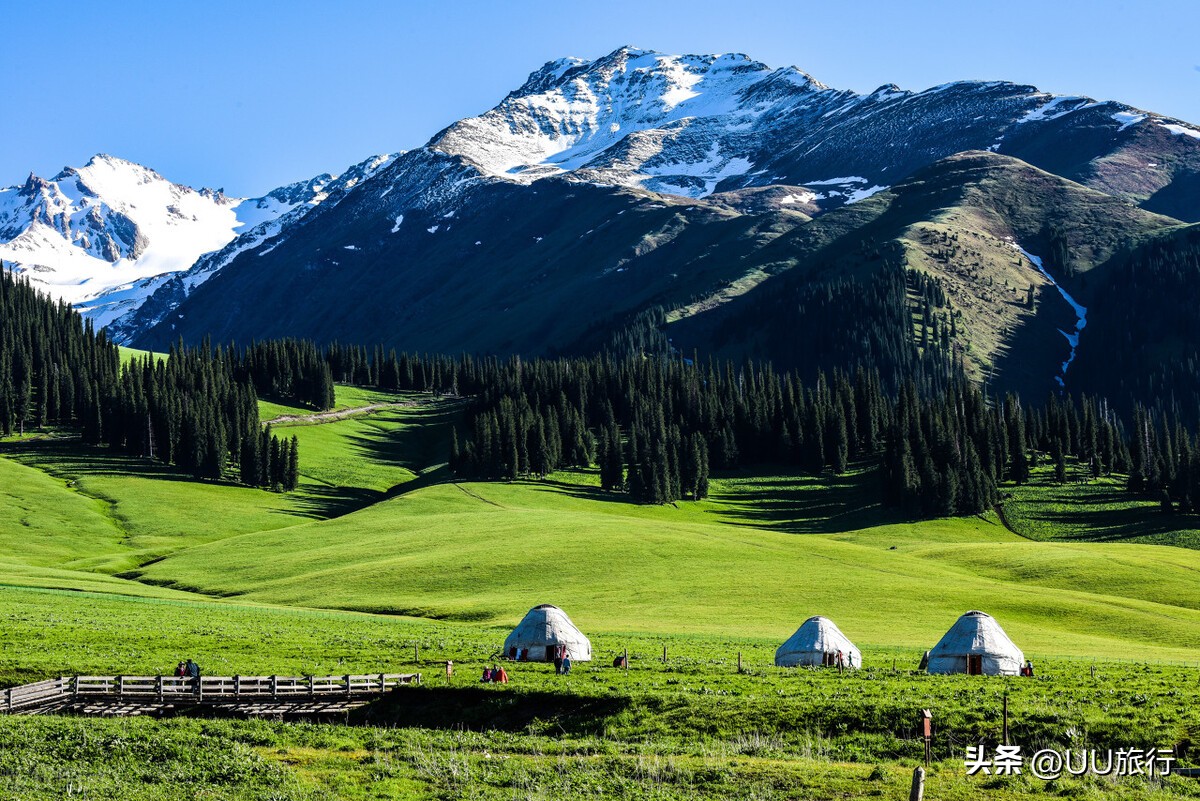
[655, 426]
[196, 410]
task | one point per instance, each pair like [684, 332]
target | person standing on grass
[558, 660]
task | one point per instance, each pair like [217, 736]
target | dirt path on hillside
[341, 414]
[1004, 520]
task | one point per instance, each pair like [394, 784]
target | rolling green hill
[762, 552]
[112, 565]
[487, 552]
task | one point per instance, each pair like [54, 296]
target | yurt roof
[976, 633]
[547, 623]
[818, 634]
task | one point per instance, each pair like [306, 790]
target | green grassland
[129, 354]
[1094, 510]
[689, 727]
[113, 565]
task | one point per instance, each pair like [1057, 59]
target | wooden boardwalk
[234, 695]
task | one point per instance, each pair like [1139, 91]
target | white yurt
[541, 631]
[817, 643]
[976, 645]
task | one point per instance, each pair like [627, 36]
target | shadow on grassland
[68, 458]
[419, 441]
[490, 709]
[323, 503]
[803, 504]
[1111, 514]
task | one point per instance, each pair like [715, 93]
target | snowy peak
[125, 308]
[105, 235]
[108, 222]
[692, 125]
[569, 113]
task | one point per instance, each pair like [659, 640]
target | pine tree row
[196, 409]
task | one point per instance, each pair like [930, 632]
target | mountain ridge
[644, 185]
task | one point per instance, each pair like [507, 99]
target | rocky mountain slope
[648, 196]
[107, 235]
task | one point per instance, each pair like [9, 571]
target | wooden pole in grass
[664, 654]
[1006, 718]
[927, 731]
[739, 661]
[917, 792]
[625, 659]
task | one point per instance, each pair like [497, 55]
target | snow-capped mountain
[126, 309]
[692, 125]
[107, 235]
[540, 219]
[108, 223]
[600, 190]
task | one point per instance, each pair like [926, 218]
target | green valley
[113, 565]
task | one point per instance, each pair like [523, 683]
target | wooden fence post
[382, 684]
[348, 692]
[625, 659]
[739, 661]
[158, 690]
[237, 686]
[664, 654]
[274, 688]
[416, 653]
[8, 699]
[1006, 718]
[917, 792]
[312, 693]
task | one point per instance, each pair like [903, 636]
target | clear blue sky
[249, 95]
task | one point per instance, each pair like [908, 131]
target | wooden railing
[206, 689]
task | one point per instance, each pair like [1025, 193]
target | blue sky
[249, 95]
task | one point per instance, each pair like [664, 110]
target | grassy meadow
[111, 565]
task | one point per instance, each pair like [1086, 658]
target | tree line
[196, 409]
[656, 427]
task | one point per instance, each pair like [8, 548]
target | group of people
[1027, 668]
[562, 660]
[495, 675]
[187, 670]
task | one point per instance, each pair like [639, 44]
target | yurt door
[974, 664]
[549, 653]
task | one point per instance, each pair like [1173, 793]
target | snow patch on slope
[1072, 337]
[1127, 118]
[1050, 110]
[1181, 130]
[863, 194]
